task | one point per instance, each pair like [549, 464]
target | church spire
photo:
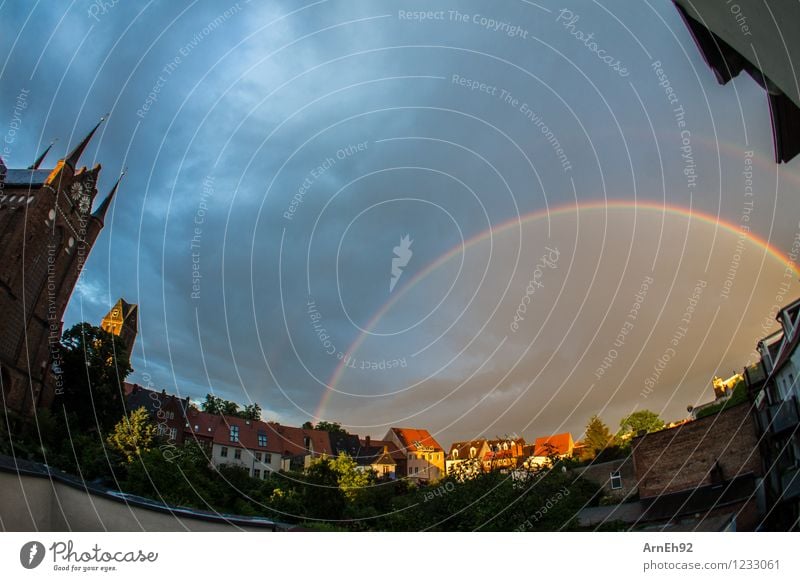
[40, 159]
[75, 154]
[100, 213]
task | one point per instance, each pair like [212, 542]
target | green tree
[251, 412]
[643, 420]
[322, 497]
[212, 404]
[94, 365]
[223, 407]
[333, 427]
[133, 435]
[351, 479]
[598, 437]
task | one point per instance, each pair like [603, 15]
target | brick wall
[684, 457]
[600, 474]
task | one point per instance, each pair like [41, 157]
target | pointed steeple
[40, 159]
[100, 212]
[75, 154]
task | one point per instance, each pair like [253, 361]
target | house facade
[466, 456]
[380, 456]
[773, 387]
[167, 411]
[424, 456]
[504, 454]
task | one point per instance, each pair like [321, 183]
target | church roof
[27, 178]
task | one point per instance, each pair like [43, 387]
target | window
[237, 454]
[472, 452]
[257, 473]
[173, 433]
[223, 452]
[268, 458]
[234, 433]
[258, 456]
[455, 453]
[262, 439]
[616, 480]
[416, 469]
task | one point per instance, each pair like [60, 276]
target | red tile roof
[464, 448]
[411, 438]
[300, 441]
[560, 443]
[200, 425]
[217, 428]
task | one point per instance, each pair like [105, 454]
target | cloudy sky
[572, 206]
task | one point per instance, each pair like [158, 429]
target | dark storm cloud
[231, 117]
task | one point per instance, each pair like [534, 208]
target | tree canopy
[93, 365]
[643, 420]
[133, 435]
[598, 437]
[223, 407]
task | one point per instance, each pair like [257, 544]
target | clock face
[80, 193]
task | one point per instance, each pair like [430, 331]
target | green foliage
[544, 499]
[133, 435]
[94, 365]
[322, 497]
[333, 427]
[351, 479]
[598, 437]
[643, 420]
[223, 407]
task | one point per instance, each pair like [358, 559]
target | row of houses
[263, 447]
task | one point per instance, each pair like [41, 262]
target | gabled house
[167, 411]
[246, 443]
[380, 456]
[545, 448]
[772, 385]
[423, 454]
[469, 455]
[299, 447]
[249, 444]
[504, 454]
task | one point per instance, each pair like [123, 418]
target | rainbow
[525, 219]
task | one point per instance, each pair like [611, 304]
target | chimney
[366, 442]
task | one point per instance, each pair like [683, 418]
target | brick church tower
[122, 321]
[47, 229]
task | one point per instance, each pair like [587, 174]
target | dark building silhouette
[47, 229]
[761, 39]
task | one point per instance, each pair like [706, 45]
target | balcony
[790, 484]
[784, 415]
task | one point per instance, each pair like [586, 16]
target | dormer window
[472, 452]
[234, 433]
[262, 439]
[455, 453]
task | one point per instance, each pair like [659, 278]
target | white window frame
[616, 476]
